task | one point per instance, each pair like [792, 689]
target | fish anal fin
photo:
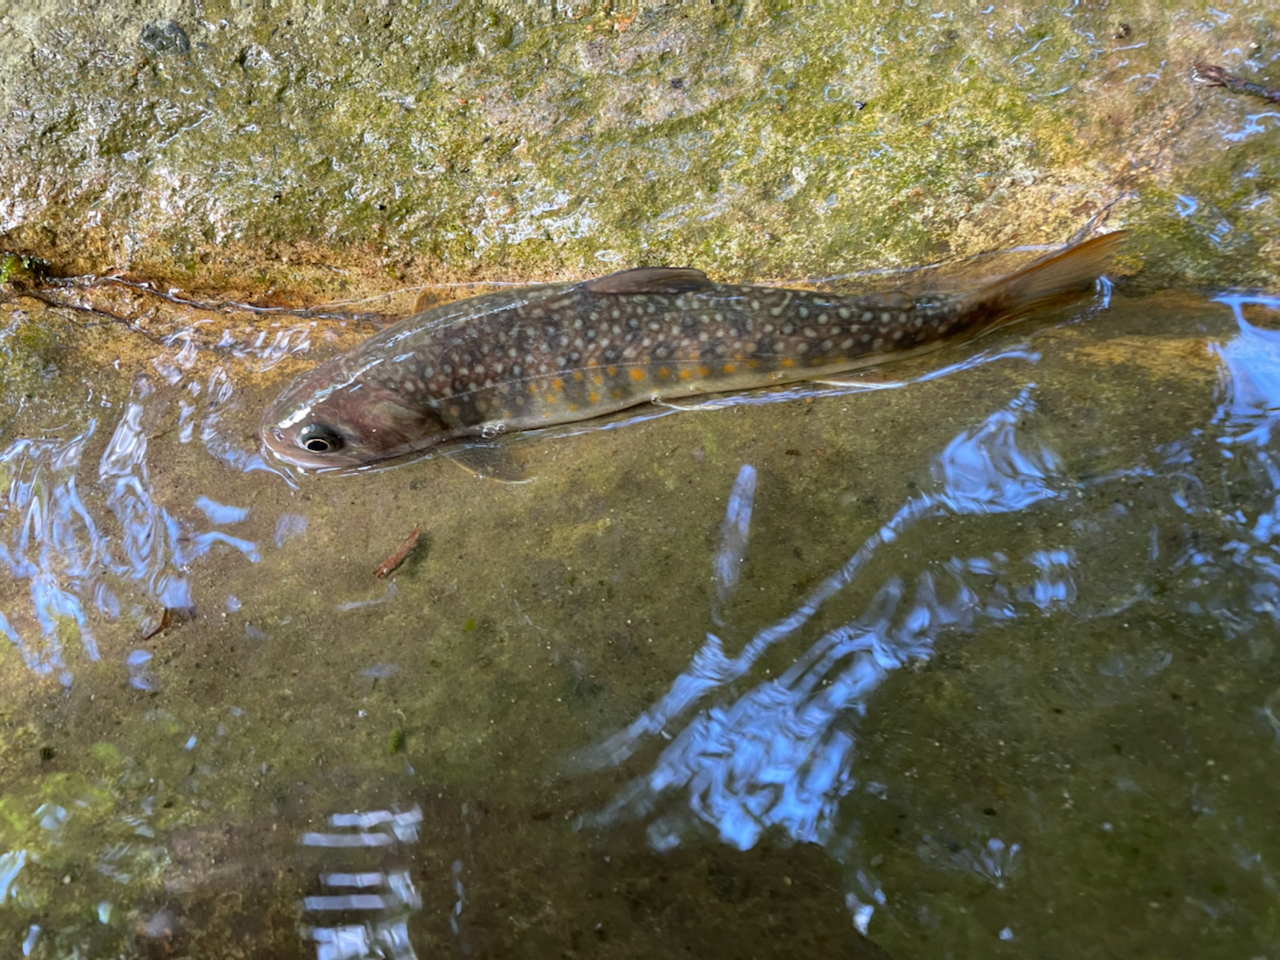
[651, 280]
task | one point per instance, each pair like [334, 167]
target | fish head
[336, 418]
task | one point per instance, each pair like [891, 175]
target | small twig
[401, 554]
[171, 617]
[1213, 76]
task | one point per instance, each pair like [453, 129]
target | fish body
[558, 353]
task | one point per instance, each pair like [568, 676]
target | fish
[548, 354]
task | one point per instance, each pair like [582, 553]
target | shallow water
[962, 662]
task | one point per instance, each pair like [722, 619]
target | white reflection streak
[1248, 415]
[217, 438]
[390, 893]
[733, 540]
[144, 524]
[54, 544]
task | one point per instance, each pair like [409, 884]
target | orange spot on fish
[788, 362]
[617, 394]
[637, 373]
[664, 372]
[738, 356]
[577, 375]
[533, 388]
[611, 370]
[550, 398]
[686, 374]
[728, 368]
[558, 383]
[597, 379]
[573, 407]
[753, 364]
[704, 370]
[593, 397]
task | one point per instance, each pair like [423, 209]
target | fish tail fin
[1046, 281]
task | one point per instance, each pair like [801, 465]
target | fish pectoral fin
[651, 280]
[489, 463]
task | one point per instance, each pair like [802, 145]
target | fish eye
[318, 438]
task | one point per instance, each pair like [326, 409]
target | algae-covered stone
[229, 144]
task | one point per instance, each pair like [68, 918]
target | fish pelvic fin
[1047, 281]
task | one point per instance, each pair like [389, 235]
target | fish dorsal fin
[428, 298]
[651, 280]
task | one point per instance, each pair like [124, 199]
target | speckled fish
[557, 353]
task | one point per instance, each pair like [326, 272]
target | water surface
[960, 662]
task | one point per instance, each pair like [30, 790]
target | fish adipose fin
[651, 280]
[1045, 281]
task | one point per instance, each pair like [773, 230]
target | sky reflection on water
[118, 546]
[781, 755]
